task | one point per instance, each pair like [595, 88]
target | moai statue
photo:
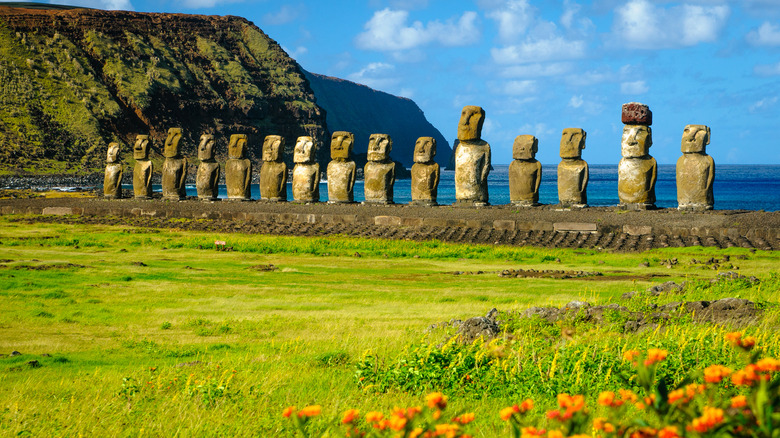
[112, 182]
[306, 173]
[341, 169]
[174, 167]
[238, 170]
[637, 171]
[379, 172]
[695, 170]
[425, 172]
[573, 170]
[525, 172]
[142, 171]
[208, 171]
[472, 159]
[273, 174]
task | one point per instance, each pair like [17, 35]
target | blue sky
[537, 67]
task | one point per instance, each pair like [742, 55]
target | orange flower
[416, 432]
[397, 423]
[655, 355]
[748, 342]
[686, 393]
[600, 423]
[350, 416]
[447, 430]
[716, 373]
[526, 405]
[531, 432]
[630, 355]
[710, 418]
[374, 417]
[289, 410]
[507, 413]
[733, 337]
[746, 376]
[644, 432]
[607, 398]
[310, 411]
[571, 403]
[627, 395]
[465, 418]
[436, 400]
[552, 415]
[555, 434]
[768, 364]
[669, 432]
[739, 401]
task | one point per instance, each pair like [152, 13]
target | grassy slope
[150, 349]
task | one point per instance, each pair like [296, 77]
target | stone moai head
[525, 147]
[341, 144]
[141, 147]
[470, 124]
[171, 149]
[379, 147]
[304, 150]
[237, 146]
[112, 156]
[273, 148]
[695, 139]
[206, 147]
[424, 149]
[572, 142]
[636, 142]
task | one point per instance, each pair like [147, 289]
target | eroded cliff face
[75, 80]
[365, 111]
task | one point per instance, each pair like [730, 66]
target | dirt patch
[44, 267]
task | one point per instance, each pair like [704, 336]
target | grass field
[133, 332]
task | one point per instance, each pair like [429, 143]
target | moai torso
[142, 171]
[112, 182]
[238, 169]
[306, 173]
[379, 172]
[341, 169]
[637, 171]
[472, 159]
[695, 171]
[273, 174]
[425, 172]
[174, 171]
[208, 171]
[573, 170]
[525, 172]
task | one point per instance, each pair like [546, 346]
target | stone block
[58, 211]
[339, 218]
[412, 221]
[637, 230]
[534, 226]
[579, 227]
[504, 225]
[387, 220]
[635, 113]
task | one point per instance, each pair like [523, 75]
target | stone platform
[546, 226]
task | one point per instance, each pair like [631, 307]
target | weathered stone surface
[635, 113]
[637, 230]
[580, 227]
[637, 171]
[525, 172]
[341, 169]
[142, 171]
[573, 171]
[174, 167]
[273, 174]
[306, 173]
[207, 178]
[379, 172]
[387, 220]
[112, 181]
[485, 327]
[695, 170]
[238, 169]
[425, 172]
[472, 159]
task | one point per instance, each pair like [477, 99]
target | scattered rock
[138, 263]
[15, 353]
[485, 327]
[34, 364]
[264, 268]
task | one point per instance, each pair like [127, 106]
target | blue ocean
[737, 187]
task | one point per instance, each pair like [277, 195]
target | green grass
[139, 331]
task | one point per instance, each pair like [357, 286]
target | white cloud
[767, 69]
[571, 19]
[537, 70]
[377, 75]
[576, 101]
[388, 30]
[299, 51]
[763, 104]
[539, 50]
[513, 19]
[635, 87]
[642, 25]
[519, 87]
[286, 14]
[767, 34]
[113, 5]
[536, 129]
